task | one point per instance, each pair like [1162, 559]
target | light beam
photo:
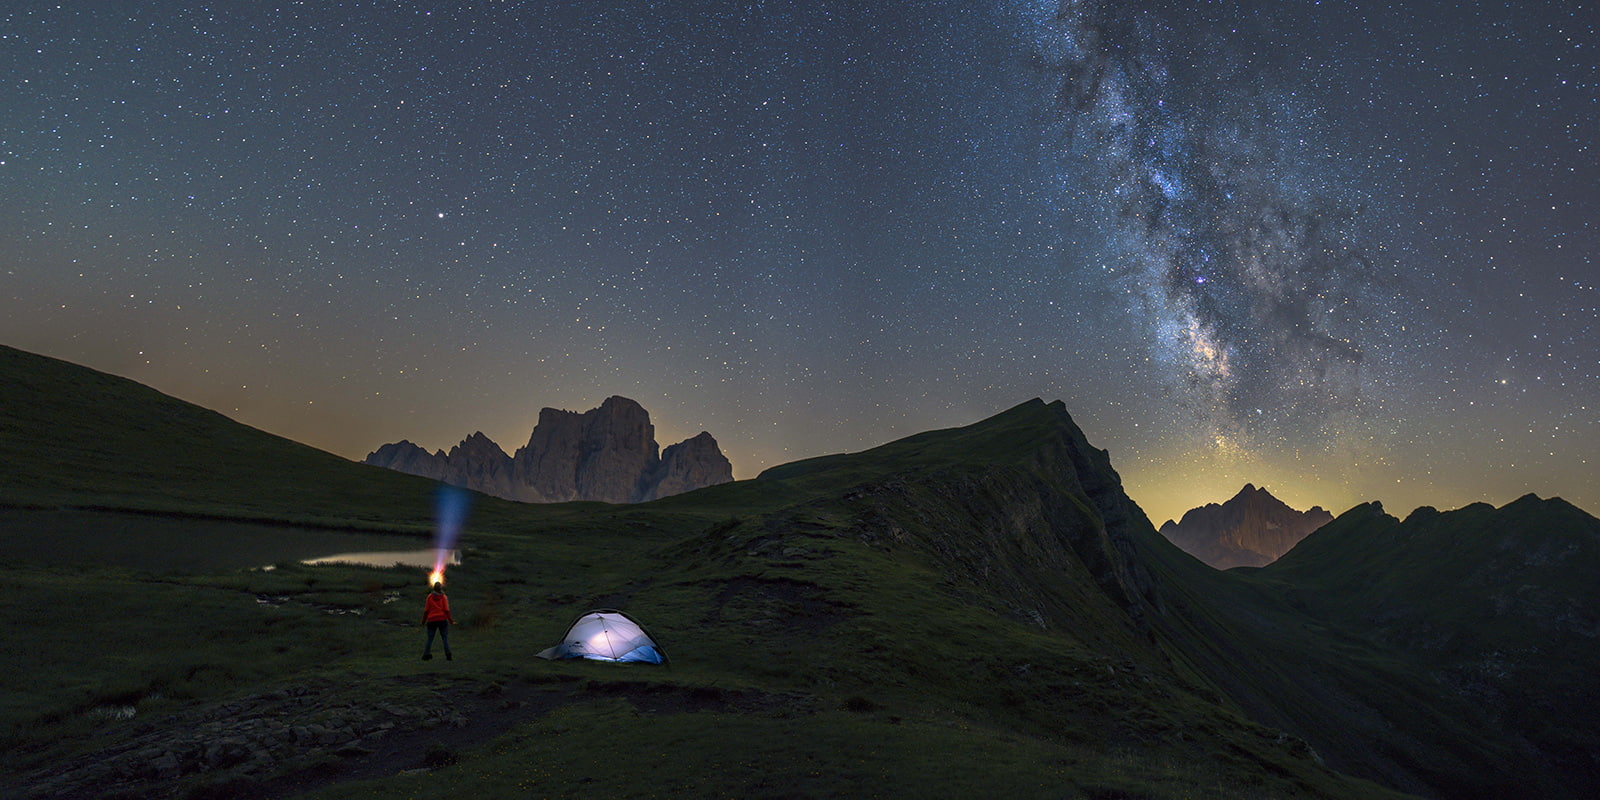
[450, 514]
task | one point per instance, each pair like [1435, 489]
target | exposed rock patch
[289, 741]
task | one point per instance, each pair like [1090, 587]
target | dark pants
[443, 629]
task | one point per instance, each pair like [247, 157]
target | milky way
[1344, 250]
[1226, 234]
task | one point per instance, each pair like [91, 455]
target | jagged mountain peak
[477, 443]
[608, 453]
[1251, 529]
[617, 401]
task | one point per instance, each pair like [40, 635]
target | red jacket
[437, 609]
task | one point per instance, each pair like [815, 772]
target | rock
[691, 464]
[406, 457]
[602, 454]
[159, 764]
[354, 749]
[480, 463]
[607, 454]
[226, 752]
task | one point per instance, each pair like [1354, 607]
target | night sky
[1344, 250]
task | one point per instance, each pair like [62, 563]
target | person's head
[439, 587]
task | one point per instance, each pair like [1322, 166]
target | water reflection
[386, 558]
[52, 537]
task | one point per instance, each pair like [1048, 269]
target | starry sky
[1343, 250]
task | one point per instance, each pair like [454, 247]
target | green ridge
[971, 612]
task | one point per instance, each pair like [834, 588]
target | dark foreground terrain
[972, 612]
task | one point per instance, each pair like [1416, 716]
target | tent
[607, 635]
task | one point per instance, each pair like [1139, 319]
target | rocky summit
[1250, 530]
[607, 454]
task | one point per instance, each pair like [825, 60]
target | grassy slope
[1474, 685]
[72, 436]
[1496, 606]
[944, 616]
[1367, 710]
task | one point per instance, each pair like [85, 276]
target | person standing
[436, 615]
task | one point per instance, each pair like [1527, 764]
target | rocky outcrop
[241, 744]
[607, 454]
[480, 463]
[689, 465]
[1250, 530]
[403, 456]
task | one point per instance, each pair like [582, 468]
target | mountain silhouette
[1251, 529]
[607, 454]
[988, 592]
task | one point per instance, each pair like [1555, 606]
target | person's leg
[427, 649]
[444, 637]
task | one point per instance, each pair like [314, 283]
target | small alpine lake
[62, 537]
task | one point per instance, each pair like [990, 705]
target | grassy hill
[972, 612]
[75, 437]
[1497, 607]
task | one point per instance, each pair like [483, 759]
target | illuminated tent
[607, 635]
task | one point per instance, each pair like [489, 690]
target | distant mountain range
[607, 454]
[1252, 529]
[989, 591]
[1494, 613]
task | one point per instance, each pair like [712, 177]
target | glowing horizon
[1363, 267]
